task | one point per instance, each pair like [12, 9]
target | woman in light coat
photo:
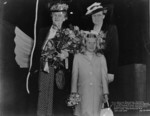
[89, 78]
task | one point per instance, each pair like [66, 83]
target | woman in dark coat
[103, 22]
[46, 76]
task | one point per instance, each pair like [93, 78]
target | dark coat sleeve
[37, 51]
[111, 51]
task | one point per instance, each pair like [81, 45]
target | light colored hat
[94, 8]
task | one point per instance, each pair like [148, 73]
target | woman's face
[98, 17]
[91, 44]
[58, 18]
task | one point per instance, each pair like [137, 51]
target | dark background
[131, 17]
[132, 20]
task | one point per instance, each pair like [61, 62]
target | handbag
[106, 111]
[60, 79]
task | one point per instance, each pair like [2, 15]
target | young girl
[89, 78]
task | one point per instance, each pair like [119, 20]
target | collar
[54, 27]
[89, 56]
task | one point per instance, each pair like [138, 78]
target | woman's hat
[94, 8]
[58, 6]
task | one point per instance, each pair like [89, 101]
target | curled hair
[98, 42]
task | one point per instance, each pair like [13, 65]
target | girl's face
[98, 17]
[90, 44]
[58, 18]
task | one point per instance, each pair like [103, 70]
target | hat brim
[104, 9]
[58, 10]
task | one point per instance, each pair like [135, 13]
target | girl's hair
[89, 36]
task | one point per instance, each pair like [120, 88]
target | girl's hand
[106, 98]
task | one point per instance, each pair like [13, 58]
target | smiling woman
[101, 15]
[59, 17]
[46, 76]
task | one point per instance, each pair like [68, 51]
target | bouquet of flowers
[73, 99]
[57, 50]
[102, 37]
[66, 41]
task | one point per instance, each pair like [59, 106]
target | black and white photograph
[74, 58]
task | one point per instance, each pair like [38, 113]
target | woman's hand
[63, 55]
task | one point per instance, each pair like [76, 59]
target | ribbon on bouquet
[46, 67]
[66, 63]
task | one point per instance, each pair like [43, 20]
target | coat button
[91, 73]
[91, 83]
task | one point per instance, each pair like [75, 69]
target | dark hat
[58, 6]
[96, 7]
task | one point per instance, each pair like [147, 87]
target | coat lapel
[87, 58]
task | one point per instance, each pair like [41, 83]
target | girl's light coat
[90, 81]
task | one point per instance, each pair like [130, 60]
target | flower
[66, 41]
[64, 54]
[76, 28]
[57, 50]
[59, 7]
[73, 99]
[101, 36]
